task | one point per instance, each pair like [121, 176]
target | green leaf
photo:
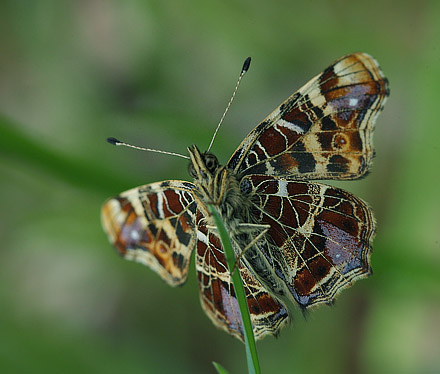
[220, 369]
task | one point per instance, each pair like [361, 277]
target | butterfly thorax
[218, 185]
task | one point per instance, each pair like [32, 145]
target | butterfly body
[296, 241]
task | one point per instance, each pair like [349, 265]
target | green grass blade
[251, 349]
[220, 369]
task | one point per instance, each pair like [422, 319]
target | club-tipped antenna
[115, 141]
[244, 69]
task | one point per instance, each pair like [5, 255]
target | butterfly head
[215, 184]
[203, 165]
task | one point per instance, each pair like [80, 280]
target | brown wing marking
[154, 225]
[324, 130]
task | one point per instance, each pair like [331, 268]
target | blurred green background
[159, 74]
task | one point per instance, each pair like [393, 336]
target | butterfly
[299, 242]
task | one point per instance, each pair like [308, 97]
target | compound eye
[211, 162]
[192, 171]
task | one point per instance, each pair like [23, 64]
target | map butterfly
[299, 242]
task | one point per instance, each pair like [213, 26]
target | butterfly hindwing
[319, 236]
[154, 225]
[324, 130]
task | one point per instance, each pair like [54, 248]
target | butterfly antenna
[244, 69]
[115, 141]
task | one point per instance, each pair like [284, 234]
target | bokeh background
[159, 74]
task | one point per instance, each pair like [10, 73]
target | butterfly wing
[324, 130]
[217, 294]
[319, 238]
[154, 225]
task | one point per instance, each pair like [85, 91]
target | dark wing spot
[178, 260]
[328, 124]
[306, 161]
[337, 164]
[183, 236]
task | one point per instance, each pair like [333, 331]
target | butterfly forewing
[154, 225]
[324, 130]
[319, 236]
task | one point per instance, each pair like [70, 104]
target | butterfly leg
[250, 227]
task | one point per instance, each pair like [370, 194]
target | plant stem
[249, 340]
